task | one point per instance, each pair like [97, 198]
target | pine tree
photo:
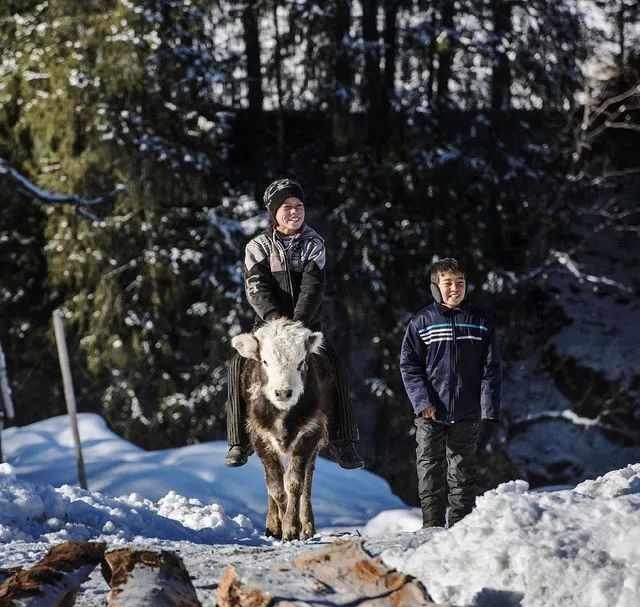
[124, 93]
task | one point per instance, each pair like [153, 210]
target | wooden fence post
[69, 394]
[5, 389]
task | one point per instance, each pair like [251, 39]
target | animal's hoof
[273, 532]
[308, 531]
[290, 533]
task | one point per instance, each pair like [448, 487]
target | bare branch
[617, 99]
[623, 125]
[612, 174]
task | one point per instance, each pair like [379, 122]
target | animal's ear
[314, 342]
[247, 345]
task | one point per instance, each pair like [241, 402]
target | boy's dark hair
[448, 264]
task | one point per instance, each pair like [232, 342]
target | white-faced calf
[289, 389]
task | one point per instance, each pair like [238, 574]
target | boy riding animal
[285, 277]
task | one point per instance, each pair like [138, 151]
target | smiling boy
[450, 366]
[285, 276]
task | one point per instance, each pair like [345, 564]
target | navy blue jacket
[450, 359]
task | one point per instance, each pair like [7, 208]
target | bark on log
[143, 578]
[231, 592]
[7, 573]
[55, 580]
[348, 570]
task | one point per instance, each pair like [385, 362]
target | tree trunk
[445, 44]
[372, 71]
[390, 36]
[279, 90]
[620, 25]
[342, 79]
[250, 18]
[255, 97]
[501, 74]
[431, 55]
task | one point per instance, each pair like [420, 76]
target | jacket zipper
[286, 267]
[454, 371]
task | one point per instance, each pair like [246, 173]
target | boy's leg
[239, 446]
[462, 463]
[430, 464]
[343, 428]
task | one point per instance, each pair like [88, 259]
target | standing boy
[450, 366]
[285, 276]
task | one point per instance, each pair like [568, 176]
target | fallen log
[344, 568]
[144, 578]
[232, 593]
[55, 580]
[7, 573]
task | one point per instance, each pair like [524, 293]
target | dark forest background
[499, 131]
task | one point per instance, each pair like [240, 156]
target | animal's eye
[301, 365]
[264, 362]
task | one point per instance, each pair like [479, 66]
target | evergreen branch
[31, 189]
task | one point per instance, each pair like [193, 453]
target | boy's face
[453, 288]
[290, 215]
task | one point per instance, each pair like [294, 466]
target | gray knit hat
[279, 191]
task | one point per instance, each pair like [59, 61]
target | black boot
[345, 454]
[237, 456]
[239, 449]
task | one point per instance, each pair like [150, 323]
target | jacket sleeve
[312, 284]
[258, 282]
[414, 374]
[491, 378]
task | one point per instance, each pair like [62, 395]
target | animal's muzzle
[283, 394]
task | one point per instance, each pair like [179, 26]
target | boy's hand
[429, 413]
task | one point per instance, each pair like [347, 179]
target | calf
[288, 387]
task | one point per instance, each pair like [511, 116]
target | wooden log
[144, 578]
[55, 580]
[344, 567]
[232, 593]
[7, 573]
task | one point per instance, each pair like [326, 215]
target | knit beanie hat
[279, 191]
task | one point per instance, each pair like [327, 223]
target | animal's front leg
[273, 475]
[308, 528]
[293, 481]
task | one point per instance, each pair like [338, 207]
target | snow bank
[42, 453]
[40, 513]
[573, 548]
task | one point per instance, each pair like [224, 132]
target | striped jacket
[450, 359]
[287, 281]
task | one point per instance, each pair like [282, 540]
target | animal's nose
[284, 394]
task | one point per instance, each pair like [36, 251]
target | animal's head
[281, 347]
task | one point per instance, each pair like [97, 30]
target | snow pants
[446, 459]
[342, 426]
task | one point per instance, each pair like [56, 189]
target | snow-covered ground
[569, 547]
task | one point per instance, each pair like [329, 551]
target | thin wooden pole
[5, 388]
[69, 393]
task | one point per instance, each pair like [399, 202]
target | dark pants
[446, 457]
[342, 426]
